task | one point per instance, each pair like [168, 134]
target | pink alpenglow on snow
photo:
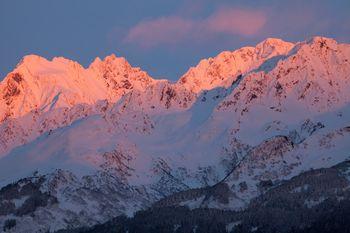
[238, 120]
[109, 140]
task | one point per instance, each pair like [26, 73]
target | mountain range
[236, 134]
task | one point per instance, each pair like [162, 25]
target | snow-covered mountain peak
[110, 60]
[119, 77]
[319, 45]
[31, 59]
[41, 85]
[312, 77]
[275, 42]
[223, 70]
[322, 41]
[273, 47]
[36, 64]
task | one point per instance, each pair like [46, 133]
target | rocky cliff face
[107, 140]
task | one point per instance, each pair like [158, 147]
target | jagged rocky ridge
[109, 140]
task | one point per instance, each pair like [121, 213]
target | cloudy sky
[163, 37]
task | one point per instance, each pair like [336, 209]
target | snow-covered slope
[263, 113]
[40, 95]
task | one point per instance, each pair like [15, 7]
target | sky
[163, 37]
